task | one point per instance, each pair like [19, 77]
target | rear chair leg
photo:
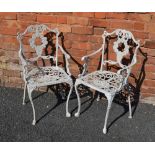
[98, 98]
[24, 93]
[130, 110]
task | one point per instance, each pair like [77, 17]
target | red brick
[151, 60]
[68, 44]
[151, 27]
[46, 18]
[82, 45]
[152, 36]
[150, 75]
[77, 20]
[112, 15]
[150, 68]
[139, 26]
[95, 46]
[153, 18]
[77, 53]
[100, 14]
[64, 28]
[140, 35]
[149, 83]
[9, 27]
[95, 39]
[2, 52]
[139, 17]
[15, 80]
[22, 25]
[8, 15]
[82, 30]
[9, 43]
[145, 95]
[12, 73]
[84, 14]
[99, 23]
[150, 52]
[94, 61]
[122, 24]
[27, 17]
[77, 37]
[148, 90]
[62, 13]
[62, 20]
[150, 44]
[98, 31]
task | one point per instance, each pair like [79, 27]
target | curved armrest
[86, 59]
[89, 55]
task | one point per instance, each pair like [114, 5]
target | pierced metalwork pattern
[36, 28]
[38, 48]
[47, 75]
[123, 37]
[105, 80]
[35, 76]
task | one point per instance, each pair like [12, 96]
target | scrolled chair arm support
[67, 57]
[86, 60]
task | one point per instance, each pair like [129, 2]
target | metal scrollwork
[109, 82]
[38, 48]
[35, 76]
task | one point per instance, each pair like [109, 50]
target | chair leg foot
[77, 114]
[130, 109]
[68, 114]
[23, 103]
[98, 98]
[104, 130]
[33, 122]
[110, 99]
[130, 117]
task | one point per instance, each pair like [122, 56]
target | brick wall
[82, 34]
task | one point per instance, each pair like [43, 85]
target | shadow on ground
[15, 120]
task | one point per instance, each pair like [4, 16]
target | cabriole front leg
[30, 97]
[79, 101]
[67, 112]
[110, 99]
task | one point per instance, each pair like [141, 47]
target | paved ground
[15, 120]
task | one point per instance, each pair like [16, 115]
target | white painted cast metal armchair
[110, 82]
[35, 76]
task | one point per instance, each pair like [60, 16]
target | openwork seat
[103, 81]
[47, 76]
[110, 82]
[42, 44]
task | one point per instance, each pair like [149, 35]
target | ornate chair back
[124, 50]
